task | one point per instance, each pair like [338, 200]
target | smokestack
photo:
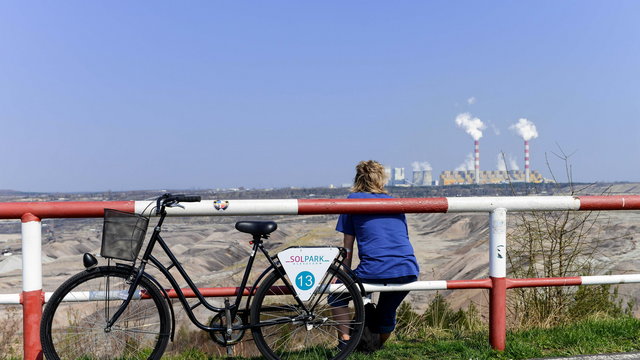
[477, 161]
[527, 130]
[473, 126]
[526, 161]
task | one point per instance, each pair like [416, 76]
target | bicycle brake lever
[175, 205]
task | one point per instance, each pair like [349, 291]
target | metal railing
[31, 213]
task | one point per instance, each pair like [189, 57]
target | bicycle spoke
[315, 333]
[77, 329]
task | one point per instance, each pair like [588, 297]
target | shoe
[370, 341]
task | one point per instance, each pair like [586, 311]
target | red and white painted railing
[31, 213]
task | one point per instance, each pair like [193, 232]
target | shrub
[10, 340]
[438, 320]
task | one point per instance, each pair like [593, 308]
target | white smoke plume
[472, 125]
[468, 164]
[472, 100]
[502, 162]
[525, 128]
[420, 166]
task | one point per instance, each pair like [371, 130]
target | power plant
[422, 173]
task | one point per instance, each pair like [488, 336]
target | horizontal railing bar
[9, 299]
[89, 209]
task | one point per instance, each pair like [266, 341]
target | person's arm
[348, 244]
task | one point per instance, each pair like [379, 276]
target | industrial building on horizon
[449, 177]
[422, 175]
[397, 177]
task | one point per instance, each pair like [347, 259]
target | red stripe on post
[536, 282]
[32, 309]
[498, 313]
[372, 206]
[469, 284]
[66, 209]
[611, 202]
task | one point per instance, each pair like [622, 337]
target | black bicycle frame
[233, 308]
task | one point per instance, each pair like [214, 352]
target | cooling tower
[422, 178]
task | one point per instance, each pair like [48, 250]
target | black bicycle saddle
[260, 228]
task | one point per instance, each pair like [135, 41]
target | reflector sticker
[221, 205]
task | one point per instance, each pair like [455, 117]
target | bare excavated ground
[448, 246]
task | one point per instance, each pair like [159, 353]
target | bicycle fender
[164, 292]
[354, 277]
[340, 264]
[255, 286]
[169, 302]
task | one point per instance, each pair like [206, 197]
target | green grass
[593, 336]
[585, 337]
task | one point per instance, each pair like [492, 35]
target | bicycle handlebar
[188, 198]
[172, 200]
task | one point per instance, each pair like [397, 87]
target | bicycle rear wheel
[74, 320]
[283, 330]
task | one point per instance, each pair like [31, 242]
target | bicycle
[121, 311]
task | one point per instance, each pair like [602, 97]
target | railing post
[32, 297]
[498, 274]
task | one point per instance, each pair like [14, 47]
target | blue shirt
[383, 242]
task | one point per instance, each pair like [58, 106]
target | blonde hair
[370, 178]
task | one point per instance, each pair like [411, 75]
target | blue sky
[152, 95]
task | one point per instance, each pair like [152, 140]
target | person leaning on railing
[385, 253]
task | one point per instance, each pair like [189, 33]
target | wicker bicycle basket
[122, 234]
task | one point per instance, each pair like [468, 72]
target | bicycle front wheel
[282, 329]
[74, 320]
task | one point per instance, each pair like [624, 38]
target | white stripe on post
[498, 243]
[225, 208]
[31, 256]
